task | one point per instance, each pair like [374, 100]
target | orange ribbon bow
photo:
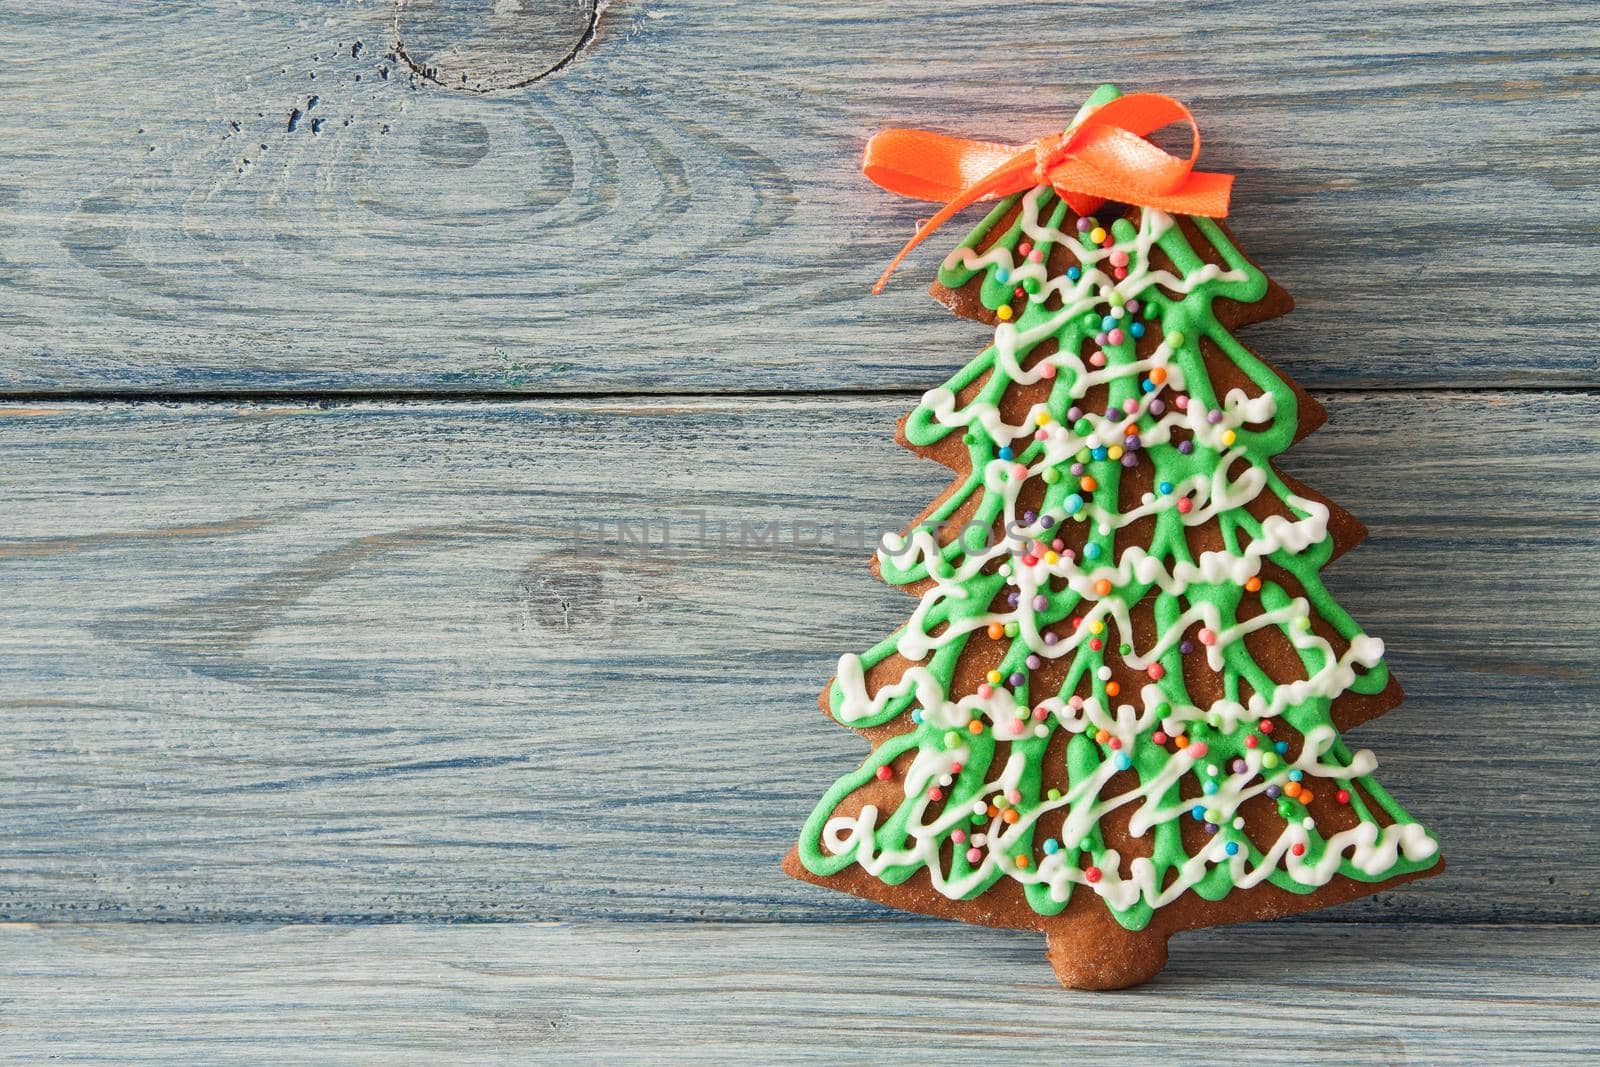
[1103, 156]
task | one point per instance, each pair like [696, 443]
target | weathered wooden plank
[355, 663]
[258, 195]
[771, 994]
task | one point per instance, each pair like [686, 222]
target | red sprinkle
[1342, 796]
[1298, 849]
[1092, 873]
[884, 773]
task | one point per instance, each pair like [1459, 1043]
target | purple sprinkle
[1029, 516]
[1131, 441]
[1013, 599]
[1239, 766]
[1050, 638]
[1130, 459]
[1048, 521]
[1034, 663]
[1017, 678]
[1211, 827]
[1100, 338]
[1083, 225]
[1213, 416]
[1186, 646]
[1157, 407]
[1074, 413]
[1274, 792]
[1076, 469]
[1132, 306]
[1185, 447]
[1040, 603]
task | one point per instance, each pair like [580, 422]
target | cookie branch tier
[1123, 677]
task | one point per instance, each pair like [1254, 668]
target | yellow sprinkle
[1051, 557]
[1003, 313]
[994, 677]
[1097, 627]
[1115, 451]
[1097, 234]
[1043, 418]
[1229, 438]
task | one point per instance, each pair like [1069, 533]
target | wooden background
[346, 344]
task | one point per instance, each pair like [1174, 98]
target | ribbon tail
[1012, 175]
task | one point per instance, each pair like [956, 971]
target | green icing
[1015, 762]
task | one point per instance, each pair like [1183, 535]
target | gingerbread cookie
[1116, 711]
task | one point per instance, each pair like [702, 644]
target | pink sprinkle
[1116, 742]
[1130, 405]
[1198, 749]
[1208, 637]
[1097, 360]
[1075, 702]
[936, 793]
[1041, 713]
[1035, 256]
[1182, 403]
[958, 836]
[1014, 796]
[1023, 249]
[1059, 545]
[985, 691]
[1020, 470]
[974, 855]
[1028, 561]
[1114, 335]
[1047, 371]
[1119, 258]
[1156, 672]
[1017, 726]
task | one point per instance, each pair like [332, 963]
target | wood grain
[384, 662]
[262, 196]
[781, 994]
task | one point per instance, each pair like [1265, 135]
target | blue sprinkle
[1282, 747]
[1199, 814]
[1148, 386]
[1002, 275]
[1165, 488]
[1209, 788]
[1122, 761]
[1137, 329]
[1051, 847]
[1073, 504]
[1091, 551]
[1108, 323]
[916, 717]
[1295, 776]
[1100, 453]
[1232, 848]
[1074, 273]
[1005, 453]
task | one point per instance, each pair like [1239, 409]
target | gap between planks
[339, 397]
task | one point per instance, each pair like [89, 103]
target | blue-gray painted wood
[379, 662]
[784, 994]
[261, 195]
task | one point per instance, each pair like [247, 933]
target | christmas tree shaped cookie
[1117, 709]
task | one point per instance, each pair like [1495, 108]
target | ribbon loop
[1104, 156]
